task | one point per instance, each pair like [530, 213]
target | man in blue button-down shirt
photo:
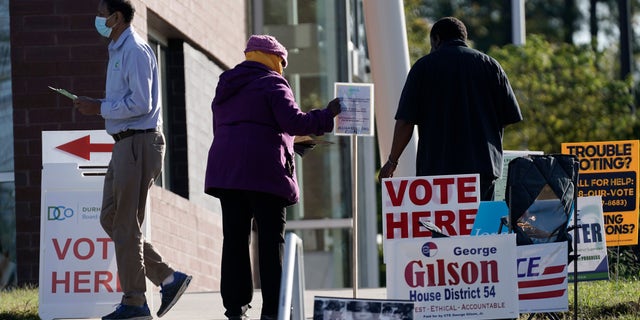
[132, 115]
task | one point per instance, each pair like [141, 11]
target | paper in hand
[302, 144]
[64, 93]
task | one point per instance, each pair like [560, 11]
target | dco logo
[59, 213]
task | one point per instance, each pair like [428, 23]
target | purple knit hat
[267, 44]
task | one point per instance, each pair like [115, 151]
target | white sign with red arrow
[78, 271]
[84, 147]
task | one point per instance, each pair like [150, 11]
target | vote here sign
[78, 271]
[449, 201]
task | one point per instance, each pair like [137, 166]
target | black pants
[236, 284]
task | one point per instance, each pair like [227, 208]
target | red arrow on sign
[83, 147]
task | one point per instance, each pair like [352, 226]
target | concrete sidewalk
[208, 305]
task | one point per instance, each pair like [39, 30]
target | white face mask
[101, 26]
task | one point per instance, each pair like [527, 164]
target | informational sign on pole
[357, 113]
[78, 272]
[610, 169]
[355, 119]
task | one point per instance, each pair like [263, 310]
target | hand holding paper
[87, 106]
[64, 93]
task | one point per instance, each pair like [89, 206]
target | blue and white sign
[357, 113]
[461, 277]
[78, 271]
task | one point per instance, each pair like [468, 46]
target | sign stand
[354, 204]
[78, 271]
[356, 119]
[292, 283]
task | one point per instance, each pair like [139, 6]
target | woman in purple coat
[251, 168]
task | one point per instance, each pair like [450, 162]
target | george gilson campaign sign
[473, 273]
[463, 277]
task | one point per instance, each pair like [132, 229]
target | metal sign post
[356, 119]
[292, 284]
[354, 205]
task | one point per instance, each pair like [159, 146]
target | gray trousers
[136, 162]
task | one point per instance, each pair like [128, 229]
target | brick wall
[55, 43]
[201, 78]
[219, 26]
[188, 236]
[52, 43]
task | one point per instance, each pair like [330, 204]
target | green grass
[613, 299]
[600, 300]
[597, 300]
[19, 304]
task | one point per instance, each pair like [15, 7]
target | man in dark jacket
[461, 100]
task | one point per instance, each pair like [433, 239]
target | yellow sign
[610, 169]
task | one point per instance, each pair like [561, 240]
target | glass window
[7, 234]
[7, 185]
[6, 107]
[161, 53]
[313, 32]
